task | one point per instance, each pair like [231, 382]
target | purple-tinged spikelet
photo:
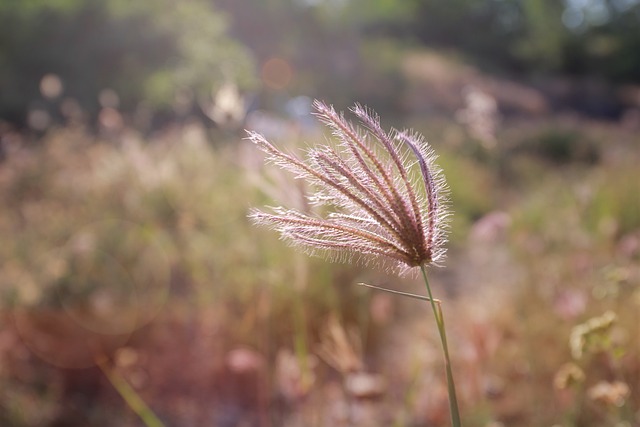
[377, 209]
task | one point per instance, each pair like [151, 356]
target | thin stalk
[301, 345]
[130, 396]
[451, 387]
[404, 294]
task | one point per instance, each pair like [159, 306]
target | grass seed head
[386, 197]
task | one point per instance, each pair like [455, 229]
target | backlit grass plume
[379, 206]
[385, 200]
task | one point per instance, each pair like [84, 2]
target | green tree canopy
[144, 50]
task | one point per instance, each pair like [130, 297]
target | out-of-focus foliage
[575, 52]
[597, 38]
[139, 249]
[144, 51]
[142, 249]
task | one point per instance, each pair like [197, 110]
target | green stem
[392, 291]
[133, 399]
[437, 313]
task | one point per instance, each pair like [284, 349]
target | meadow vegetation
[135, 291]
[135, 258]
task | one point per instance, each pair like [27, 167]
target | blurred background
[133, 290]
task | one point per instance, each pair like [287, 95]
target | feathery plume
[380, 207]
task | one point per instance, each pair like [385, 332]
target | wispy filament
[377, 209]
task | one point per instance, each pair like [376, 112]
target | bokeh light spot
[51, 86]
[276, 73]
[108, 98]
[38, 119]
[110, 119]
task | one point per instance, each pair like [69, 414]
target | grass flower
[384, 196]
[378, 207]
